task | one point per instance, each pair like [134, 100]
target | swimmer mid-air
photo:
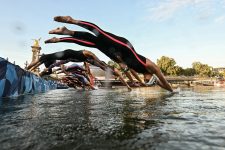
[116, 48]
[75, 56]
[76, 71]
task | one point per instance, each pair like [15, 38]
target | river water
[146, 118]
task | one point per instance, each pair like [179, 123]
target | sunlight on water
[146, 118]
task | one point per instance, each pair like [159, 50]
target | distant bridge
[181, 80]
[173, 80]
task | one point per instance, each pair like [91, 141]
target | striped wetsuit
[117, 48]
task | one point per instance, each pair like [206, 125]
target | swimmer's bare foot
[52, 40]
[65, 19]
[61, 31]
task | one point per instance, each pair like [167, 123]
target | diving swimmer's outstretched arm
[104, 66]
[117, 73]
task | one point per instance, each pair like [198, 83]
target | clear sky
[186, 30]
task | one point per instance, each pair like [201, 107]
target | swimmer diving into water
[75, 56]
[117, 48]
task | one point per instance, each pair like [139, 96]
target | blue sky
[186, 30]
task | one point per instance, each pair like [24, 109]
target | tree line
[168, 67]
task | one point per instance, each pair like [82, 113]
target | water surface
[146, 118]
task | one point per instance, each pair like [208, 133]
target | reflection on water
[146, 118]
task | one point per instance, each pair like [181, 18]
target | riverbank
[183, 81]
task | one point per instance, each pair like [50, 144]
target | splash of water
[108, 74]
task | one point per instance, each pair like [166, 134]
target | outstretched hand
[176, 91]
[129, 89]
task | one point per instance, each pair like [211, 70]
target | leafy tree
[202, 69]
[114, 64]
[167, 66]
[174, 70]
[189, 72]
[197, 67]
[223, 74]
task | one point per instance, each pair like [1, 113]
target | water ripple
[146, 118]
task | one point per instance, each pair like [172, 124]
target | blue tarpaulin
[15, 81]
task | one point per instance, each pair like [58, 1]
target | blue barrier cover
[15, 81]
